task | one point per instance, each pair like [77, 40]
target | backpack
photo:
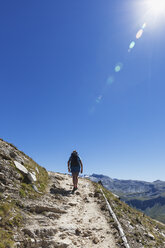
[75, 161]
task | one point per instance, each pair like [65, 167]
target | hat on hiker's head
[74, 151]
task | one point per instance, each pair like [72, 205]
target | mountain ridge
[140, 194]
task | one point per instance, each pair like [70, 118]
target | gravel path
[84, 225]
[61, 219]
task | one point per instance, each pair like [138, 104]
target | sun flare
[157, 7]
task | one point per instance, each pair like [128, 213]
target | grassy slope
[157, 212]
[10, 207]
[137, 226]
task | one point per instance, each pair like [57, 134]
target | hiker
[74, 165]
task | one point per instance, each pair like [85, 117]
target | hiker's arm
[81, 166]
[69, 166]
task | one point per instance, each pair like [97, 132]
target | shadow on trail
[61, 191]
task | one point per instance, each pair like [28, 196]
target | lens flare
[132, 45]
[99, 98]
[110, 80]
[139, 34]
[144, 26]
[118, 67]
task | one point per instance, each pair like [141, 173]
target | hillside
[16, 189]
[145, 196]
[40, 210]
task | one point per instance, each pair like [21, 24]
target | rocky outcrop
[31, 176]
[20, 180]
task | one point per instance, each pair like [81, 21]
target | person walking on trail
[75, 166]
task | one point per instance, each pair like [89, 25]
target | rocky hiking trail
[63, 219]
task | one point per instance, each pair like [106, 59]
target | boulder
[32, 178]
[21, 167]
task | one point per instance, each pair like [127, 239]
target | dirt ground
[61, 219]
[84, 225]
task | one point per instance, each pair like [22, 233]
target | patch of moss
[6, 240]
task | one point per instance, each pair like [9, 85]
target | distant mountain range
[148, 197]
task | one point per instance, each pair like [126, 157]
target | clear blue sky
[59, 89]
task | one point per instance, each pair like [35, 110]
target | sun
[156, 7]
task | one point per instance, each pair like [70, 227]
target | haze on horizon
[85, 75]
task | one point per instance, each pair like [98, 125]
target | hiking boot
[73, 189]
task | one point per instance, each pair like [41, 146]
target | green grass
[9, 214]
[156, 212]
[6, 240]
[26, 189]
[10, 218]
[135, 218]
[31, 165]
